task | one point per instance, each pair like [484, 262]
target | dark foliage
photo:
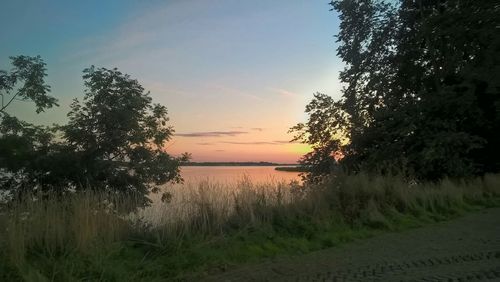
[118, 136]
[22, 144]
[422, 90]
[114, 141]
[25, 82]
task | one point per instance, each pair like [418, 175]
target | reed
[74, 235]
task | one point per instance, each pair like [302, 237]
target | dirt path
[465, 249]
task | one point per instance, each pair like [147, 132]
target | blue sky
[219, 66]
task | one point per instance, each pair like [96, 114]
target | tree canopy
[115, 139]
[22, 143]
[119, 135]
[422, 90]
[25, 82]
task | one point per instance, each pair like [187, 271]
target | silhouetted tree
[422, 94]
[119, 136]
[114, 141]
[25, 82]
[325, 132]
[21, 143]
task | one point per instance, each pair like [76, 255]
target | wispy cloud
[284, 93]
[249, 143]
[143, 30]
[211, 133]
[256, 142]
[226, 90]
[257, 128]
[162, 88]
[285, 142]
[205, 143]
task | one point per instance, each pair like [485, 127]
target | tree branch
[8, 103]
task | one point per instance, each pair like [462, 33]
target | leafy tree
[21, 142]
[324, 131]
[30, 72]
[114, 141]
[422, 93]
[118, 136]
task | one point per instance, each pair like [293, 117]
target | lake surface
[233, 174]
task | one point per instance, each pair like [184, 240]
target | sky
[234, 75]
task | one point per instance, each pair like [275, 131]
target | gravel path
[464, 249]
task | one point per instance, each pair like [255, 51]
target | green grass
[80, 237]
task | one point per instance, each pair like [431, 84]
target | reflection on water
[231, 174]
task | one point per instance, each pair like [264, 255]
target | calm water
[231, 174]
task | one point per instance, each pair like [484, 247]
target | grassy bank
[210, 227]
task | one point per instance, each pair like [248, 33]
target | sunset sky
[235, 75]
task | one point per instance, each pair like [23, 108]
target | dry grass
[55, 226]
[208, 207]
[52, 227]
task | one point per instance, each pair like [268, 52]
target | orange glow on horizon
[254, 146]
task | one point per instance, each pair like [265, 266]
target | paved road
[464, 249]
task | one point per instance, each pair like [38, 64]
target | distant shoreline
[294, 168]
[235, 164]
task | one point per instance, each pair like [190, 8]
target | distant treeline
[233, 164]
[292, 168]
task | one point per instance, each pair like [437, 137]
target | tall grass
[80, 235]
[53, 226]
